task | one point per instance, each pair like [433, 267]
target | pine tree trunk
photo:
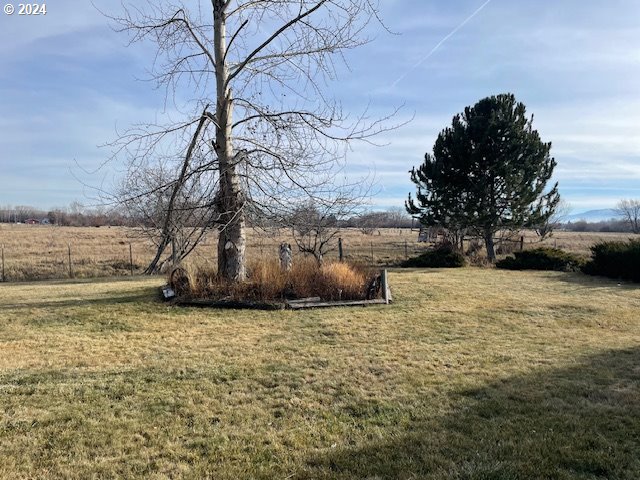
[488, 241]
[230, 200]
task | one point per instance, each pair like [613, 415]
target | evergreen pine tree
[488, 172]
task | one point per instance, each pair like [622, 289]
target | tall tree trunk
[488, 242]
[230, 201]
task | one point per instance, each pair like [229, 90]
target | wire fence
[97, 258]
[72, 261]
[39, 253]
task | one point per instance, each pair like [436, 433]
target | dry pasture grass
[35, 252]
[581, 242]
[472, 373]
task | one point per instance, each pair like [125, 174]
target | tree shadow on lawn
[144, 295]
[593, 281]
[580, 422]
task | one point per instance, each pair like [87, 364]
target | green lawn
[472, 373]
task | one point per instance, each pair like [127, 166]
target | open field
[473, 373]
[42, 252]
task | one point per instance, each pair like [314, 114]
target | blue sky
[67, 82]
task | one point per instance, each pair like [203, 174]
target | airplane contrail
[435, 49]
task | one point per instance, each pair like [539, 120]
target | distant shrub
[442, 257]
[620, 260]
[543, 258]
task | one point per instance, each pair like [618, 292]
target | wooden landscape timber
[338, 303]
[230, 304]
[288, 305]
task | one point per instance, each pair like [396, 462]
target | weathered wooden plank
[235, 304]
[349, 303]
[305, 300]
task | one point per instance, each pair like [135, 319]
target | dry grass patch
[343, 281]
[41, 252]
[268, 282]
[473, 373]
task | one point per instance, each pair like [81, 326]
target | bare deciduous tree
[629, 211]
[315, 226]
[175, 215]
[261, 126]
[545, 230]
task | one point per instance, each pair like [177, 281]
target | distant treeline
[75, 215]
[603, 226]
[395, 217]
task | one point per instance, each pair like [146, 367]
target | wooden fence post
[373, 260]
[522, 243]
[406, 250]
[340, 250]
[4, 278]
[131, 258]
[70, 266]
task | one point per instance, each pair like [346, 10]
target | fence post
[70, 266]
[385, 286]
[340, 251]
[406, 250]
[522, 243]
[373, 260]
[131, 258]
[4, 279]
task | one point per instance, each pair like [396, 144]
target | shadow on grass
[138, 296]
[591, 281]
[581, 422]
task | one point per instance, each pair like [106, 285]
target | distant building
[32, 221]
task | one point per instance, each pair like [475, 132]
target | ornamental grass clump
[342, 281]
[266, 281]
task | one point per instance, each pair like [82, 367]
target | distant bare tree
[554, 221]
[24, 212]
[175, 215]
[629, 211]
[394, 217]
[369, 222]
[315, 226]
[397, 217]
[262, 126]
